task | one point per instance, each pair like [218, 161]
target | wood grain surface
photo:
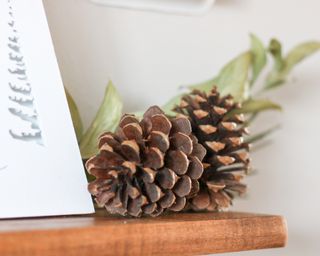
[174, 234]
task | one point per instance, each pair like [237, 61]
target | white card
[41, 171]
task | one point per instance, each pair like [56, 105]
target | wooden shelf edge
[175, 234]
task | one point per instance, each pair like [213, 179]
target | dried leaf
[299, 53]
[205, 86]
[75, 115]
[275, 49]
[256, 106]
[257, 137]
[282, 68]
[259, 57]
[107, 119]
[232, 79]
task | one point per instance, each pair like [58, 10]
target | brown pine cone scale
[147, 167]
[226, 159]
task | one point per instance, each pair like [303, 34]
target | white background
[149, 55]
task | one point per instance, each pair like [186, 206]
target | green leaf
[259, 57]
[262, 135]
[75, 115]
[232, 79]
[107, 119]
[256, 106]
[279, 75]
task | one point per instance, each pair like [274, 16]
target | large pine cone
[146, 167]
[221, 132]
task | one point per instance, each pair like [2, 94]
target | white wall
[149, 55]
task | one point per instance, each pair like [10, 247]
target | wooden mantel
[175, 234]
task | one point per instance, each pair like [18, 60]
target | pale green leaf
[205, 86]
[275, 49]
[138, 114]
[259, 57]
[232, 79]
[256, 106]
[75, 115]
[107, 119]
[279, 75]
[299, 53]
[275, 78]
[262, 135]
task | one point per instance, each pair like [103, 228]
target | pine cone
[146, 167]
[227, 157]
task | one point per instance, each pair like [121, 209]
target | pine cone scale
[149, 165]
[221, 133]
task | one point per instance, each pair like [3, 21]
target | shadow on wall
[184, 7]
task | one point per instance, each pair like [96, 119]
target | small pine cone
[146, 167]
[221, 133]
